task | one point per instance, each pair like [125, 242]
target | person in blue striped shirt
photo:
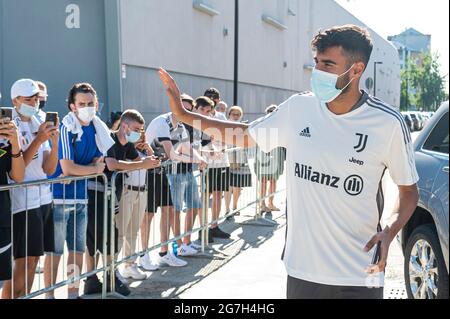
[78, 156]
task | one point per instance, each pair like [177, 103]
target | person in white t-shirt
[33, 227]
[269, 167]
[169, 140]
[339, 141]
[240, 173]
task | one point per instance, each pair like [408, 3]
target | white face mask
[324, 85]
[28, 111]
[86, 114]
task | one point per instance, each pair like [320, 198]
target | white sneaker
[186, 250]
[133, 272]
[195, 246]
[147, 263]
[171, 260]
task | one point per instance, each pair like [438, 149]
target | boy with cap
[31, 206]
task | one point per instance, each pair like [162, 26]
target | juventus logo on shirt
[362, 142]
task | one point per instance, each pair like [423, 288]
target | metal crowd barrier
[259, 167]
[77, 274]
[265, 168]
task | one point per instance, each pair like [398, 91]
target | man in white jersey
[339, 143]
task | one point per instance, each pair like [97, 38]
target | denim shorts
[184, 187]
[70, 226]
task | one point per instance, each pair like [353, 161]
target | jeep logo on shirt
[353, 185]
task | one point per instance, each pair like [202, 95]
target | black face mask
[42, 104]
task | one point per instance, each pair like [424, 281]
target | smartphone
[51, 117]
[376, 255]
[6, 112]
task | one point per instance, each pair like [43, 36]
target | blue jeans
[184, 187]
[70, 226]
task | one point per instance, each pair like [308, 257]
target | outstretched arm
[227, 132]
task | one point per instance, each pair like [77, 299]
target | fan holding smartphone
[38, 142]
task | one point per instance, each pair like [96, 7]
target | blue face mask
[28, 111]
[323, 85]
[133, 137]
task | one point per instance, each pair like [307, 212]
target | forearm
[17, 172]
[230, 133]
[404, 208]
[31, 151]
[227, 132]
[51, 162]
[72, 169]
[115, 165]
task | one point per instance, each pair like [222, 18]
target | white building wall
[273, 63]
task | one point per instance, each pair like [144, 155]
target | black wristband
[17, 155]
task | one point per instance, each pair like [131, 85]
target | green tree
[422, 84]
[407, 94]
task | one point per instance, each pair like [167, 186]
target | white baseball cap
[25, 88]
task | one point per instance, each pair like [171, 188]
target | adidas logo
[305, 132]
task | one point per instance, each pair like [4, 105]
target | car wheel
[426, 275]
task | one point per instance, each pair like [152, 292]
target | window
[438, 139]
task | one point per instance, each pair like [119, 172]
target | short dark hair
[354, 40]
[84, 88]
[132, 116]
[203, 101]
[212, 93]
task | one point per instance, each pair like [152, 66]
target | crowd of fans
[162, 162]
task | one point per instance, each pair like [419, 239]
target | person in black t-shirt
[12, 165]
[130, 131]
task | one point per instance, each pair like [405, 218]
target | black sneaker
[92, 285]
[218, 233]
[210, 238]
[269, 215]
[120, 288]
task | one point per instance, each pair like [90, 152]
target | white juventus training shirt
[335, 164]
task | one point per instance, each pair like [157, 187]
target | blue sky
[390, 17]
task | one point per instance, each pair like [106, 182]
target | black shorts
[33, 232]
[158, 194]
[300, 289]
[5, 254]
[240, 180]
[95, 229]
[219, 179]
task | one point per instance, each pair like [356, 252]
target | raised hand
[172, 92]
